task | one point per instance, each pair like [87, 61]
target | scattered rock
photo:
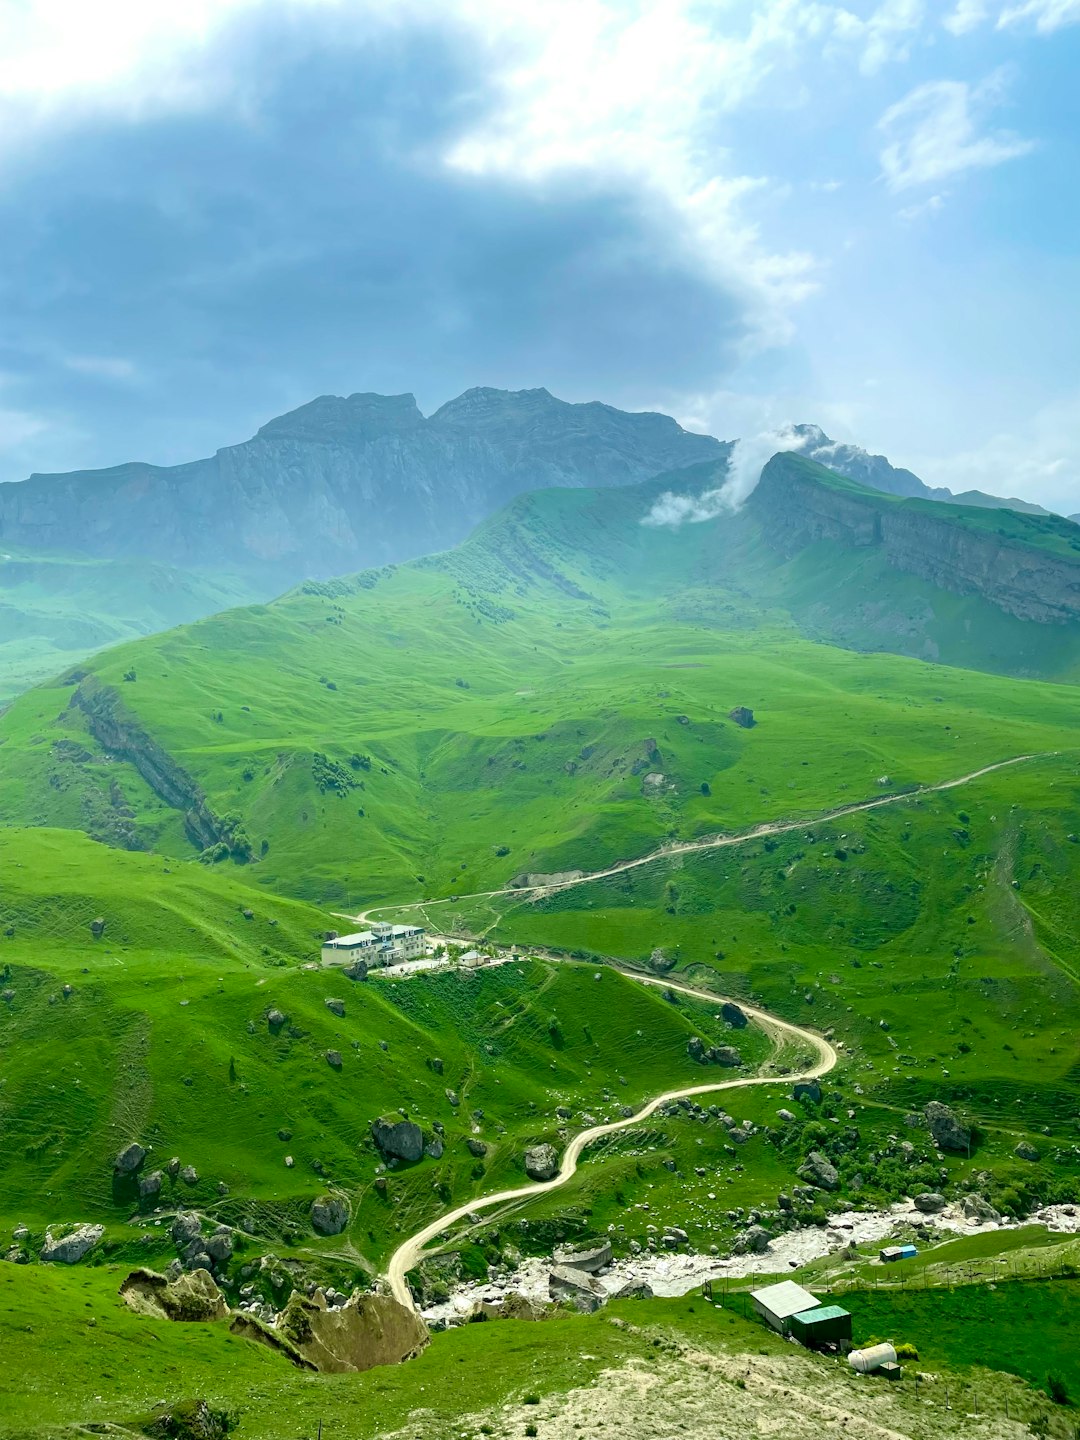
[1024, 1150]
[401, 1139]
[754, 1241]
[69, 1249]
[786, 1115]
[541, 1162]
[453, 1097]
[330, 1214]
[129, 1159]
[476, 1147]
[333, 1059]
[189, 1175]
[192, 1297]
[173, 1167]
[335, 1006]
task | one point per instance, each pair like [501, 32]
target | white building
[381, 945]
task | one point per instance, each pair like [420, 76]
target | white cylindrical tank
[869, 1359]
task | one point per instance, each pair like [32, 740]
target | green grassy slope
[56, 610]
[162, 1036]
[495, 711]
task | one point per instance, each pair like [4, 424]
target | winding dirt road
[410, 1251]
[711, 842]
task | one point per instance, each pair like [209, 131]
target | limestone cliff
[1026, 565]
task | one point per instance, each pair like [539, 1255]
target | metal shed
[825, 1325]
[776, 1304]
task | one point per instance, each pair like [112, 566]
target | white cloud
[933, 133]
[968, 16]
[102, 367]
[929, 206]
[748, 458]
[882, 37]
[1039, 460]
[1046, 15]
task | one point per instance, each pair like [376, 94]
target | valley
[657, 774]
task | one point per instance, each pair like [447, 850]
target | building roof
[785, 1299]
[369, 937]
[820, 1312]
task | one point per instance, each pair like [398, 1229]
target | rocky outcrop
[69, 1248]
[346, 483]
[366, 1331]
[190, 1297]
[400, 1139]
[119, 733]
[1025, 565]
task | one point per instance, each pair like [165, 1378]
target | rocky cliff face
[1034, 577]
[345, 483]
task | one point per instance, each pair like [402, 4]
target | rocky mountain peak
[337, 419]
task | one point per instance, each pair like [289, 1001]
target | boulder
[400, 1139]
[189, 1175]
[725, 1055]
[173, 1167]
[185, 1228]
[742, 716]
[818, 1170]
[435, 1065]
[733, 1015]
[476, 1147]
[69, 1249]
[219, 1245]
[366, 1331]
[695, 1048]
[150, 1185]
[276, 1018]
[333, 1059]
[542, 1162]
[1024, 1150]
[577, 1288]
[590, 1258]
[807, 1090]
[335, 1006]
[192, 1297]
[453, 1097]
[330, 1214]
[97, 927]
[129, 1159]
[946, 1128]
[929, 1203]
[754, 1241]
[786, 1116]
[433, 1150]
[358, 970]
[977, 1208]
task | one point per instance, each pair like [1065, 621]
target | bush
[906, 1351]
[1057, 1388]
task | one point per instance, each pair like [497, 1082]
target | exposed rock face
[946, 1128]
[401, 1139]
[1028, 571]
[541, 1162]
[818, 1170]
[366, 1331]
[69, 1249]
[330, 1214]
[342, 484]
[192, 1296]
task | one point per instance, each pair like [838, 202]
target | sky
[743, 215]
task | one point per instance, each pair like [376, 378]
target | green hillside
[56, 609]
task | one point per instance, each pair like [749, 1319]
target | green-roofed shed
[826, 1325]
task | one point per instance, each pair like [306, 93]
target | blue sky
[213, 210]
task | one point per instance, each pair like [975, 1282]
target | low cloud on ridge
[748, 459]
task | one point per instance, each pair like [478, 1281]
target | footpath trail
[410, 1251]
[711, 842]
